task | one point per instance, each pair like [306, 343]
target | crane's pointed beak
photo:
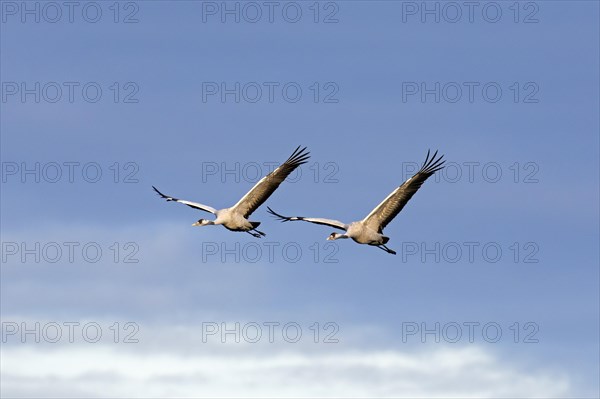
[196, 224]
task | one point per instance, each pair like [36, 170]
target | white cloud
[174, 362]
[108, 371]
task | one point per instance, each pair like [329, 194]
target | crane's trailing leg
[258, 234]
[386, 249]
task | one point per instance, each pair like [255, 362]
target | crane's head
[336, 236]
[203, 222]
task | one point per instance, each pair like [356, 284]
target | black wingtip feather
[277, 215]
[163, 195]
[433, 164]
[298, 157]
[158, 192]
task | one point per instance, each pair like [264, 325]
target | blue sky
[544, 126]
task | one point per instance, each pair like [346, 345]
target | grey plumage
[370, 229]
[235, 217]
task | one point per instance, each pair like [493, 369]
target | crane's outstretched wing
[326, 222]
[268, 184]
[195, 205]
[387, 210]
